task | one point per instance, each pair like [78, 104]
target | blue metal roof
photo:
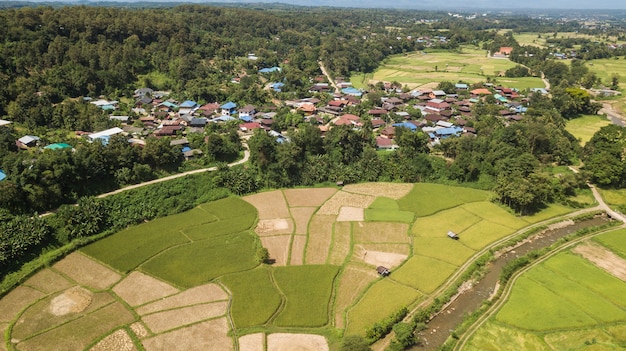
[269, 70]
[188, 104]
[229, 105]
[3, 176]
[410, 126]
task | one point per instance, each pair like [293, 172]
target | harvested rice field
[197, 284]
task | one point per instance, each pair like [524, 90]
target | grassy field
[584, 127]
[564, 303]
[129, 248]
[425, 199]
[199, 262]
[382, 299]
[264, 299]
[307, 292]
[424, 273]
[384, 209]
[615, 240]
[471, 65]
[614, 197]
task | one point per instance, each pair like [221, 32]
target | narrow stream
[440, 327]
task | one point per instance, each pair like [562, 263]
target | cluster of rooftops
[443, 115]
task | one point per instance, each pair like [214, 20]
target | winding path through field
[325, 72]
[246, 156]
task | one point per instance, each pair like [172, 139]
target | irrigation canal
[440, 327]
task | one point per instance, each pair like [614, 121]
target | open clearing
[584, 127]
[471, 65]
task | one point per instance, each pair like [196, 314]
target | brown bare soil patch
[351, 214]
[342, 198]
[87, 272]
[351, 284]
[3, 329]
[392, 190]
[79, 333]
[138, 288]
[308, 197]
[270, 205]
[251, 342]
[17, 300]
[603, 258]
[274, 226]
[197, 295]
[296, 342]
[72, 300]
[387, 259]
[39, 317]
[403, 249]
[301, 217]
[118, 341]
[139, 329]
[341, 243]
[168, 320]
[381, 232]
[320, 238]
[48, 281]
[297, 249]
[378, 258]
[278, 247]
[206, 336]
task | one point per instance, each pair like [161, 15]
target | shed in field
[383, 271]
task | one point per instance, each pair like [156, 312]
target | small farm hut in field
[383, 271]
[452, 235]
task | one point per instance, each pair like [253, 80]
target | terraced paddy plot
[615, 241]
[426, 199]
[129, 248]
[443, 249]
[381, 300]
[393, 191]
[381, 232]
[424, 273]
[342, 243]
[308, 197]
[264, 299]
[270, 204]
[345, 199]
[307, 292]
[564, 303]
[319, 239]
[199, 262]
[437, 225]
[385, 209]
[353, 280]
[278, 248]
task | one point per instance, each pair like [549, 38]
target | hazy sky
[431, 4]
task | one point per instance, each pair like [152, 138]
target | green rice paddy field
[215, 242]
[563, 303]
[584, 127]
[471, 65]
